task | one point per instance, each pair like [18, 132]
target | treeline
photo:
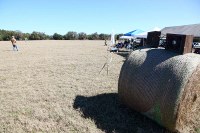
[6, 35]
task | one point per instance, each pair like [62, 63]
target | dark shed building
[193, 29]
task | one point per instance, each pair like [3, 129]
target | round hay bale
[163, 86]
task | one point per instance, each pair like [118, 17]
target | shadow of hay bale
[110, 116]
[124, 54]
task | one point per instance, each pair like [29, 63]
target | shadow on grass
[110, 116]
[124, 54]
[7, 50]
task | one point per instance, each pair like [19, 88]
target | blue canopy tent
[134, 32]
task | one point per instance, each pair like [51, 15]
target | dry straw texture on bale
[163, 86]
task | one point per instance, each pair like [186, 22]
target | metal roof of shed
[193, 29]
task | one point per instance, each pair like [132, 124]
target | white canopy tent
[127, 37]
[144, 34]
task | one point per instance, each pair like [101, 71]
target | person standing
[13, 40]
[105, 42]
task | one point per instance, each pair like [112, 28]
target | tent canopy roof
[126, 37]
[134, 32]
[144, 34]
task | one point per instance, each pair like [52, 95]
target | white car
[137, 40]
[196, 44]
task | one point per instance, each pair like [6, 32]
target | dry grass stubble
[55, 86]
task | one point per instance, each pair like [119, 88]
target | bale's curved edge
[189, 109]
[152, 81]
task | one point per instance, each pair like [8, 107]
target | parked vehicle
[196, 45]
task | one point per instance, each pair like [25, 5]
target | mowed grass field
[56, 86]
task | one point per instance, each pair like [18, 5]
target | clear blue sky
[100, 16]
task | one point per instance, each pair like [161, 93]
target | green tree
[50, 37]
[103, 36]
[42, 36]
[7, 37]
[18, 35]
[37, 36]
[82, 36]
[26, 36]
[93, 36]
[71, 35]
[34, 36]
[57, 36]
[1, 38]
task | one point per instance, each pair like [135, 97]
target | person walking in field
[13, 40]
